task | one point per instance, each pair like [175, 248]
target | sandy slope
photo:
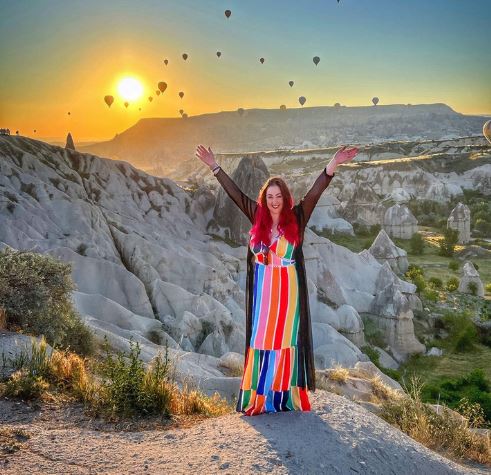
[338, 437]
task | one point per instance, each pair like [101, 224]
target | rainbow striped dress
[269, 382]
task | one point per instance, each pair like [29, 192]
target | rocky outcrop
[147, 268]
[470, 276]
[361, 205]
[69, 142]
[384, 250]
[399, 222]
[460, 220]
[249, 176]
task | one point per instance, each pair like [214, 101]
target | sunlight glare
[130, 89]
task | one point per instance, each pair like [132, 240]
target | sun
[130, 89]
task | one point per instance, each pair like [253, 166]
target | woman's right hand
[206, 156]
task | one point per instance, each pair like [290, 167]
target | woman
[279, 361]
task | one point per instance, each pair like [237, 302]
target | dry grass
[126, 388]
[338, 374]
[382, 392]
[442, 432]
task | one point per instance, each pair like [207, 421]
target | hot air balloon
[108, 100]
[228, 13]
[486, 130]
[181, 111]
[16, 132]
[337, 104]
[240, 111]
[316, 60]
[184, 116]
[126, 104]
[150, 98]
[375, 101]
[34, 130]
[68, 113]
[302, 100]
[166, 62]
[184, 56]
[139, 108]
[291, 83]
[283, 107]
[162, 86]
[261, 60]
[219, 53]
[181, 94]
[157, 92]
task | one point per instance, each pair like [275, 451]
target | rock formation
[399, 222]
[250, 175]
[384, 250]
[147, 268]
[69, 142]
[460, 219]
[470, 275]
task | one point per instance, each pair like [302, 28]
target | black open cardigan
[303, 211]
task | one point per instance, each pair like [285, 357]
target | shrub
[417, 244]
[452, 284]
[420, 283]
[435, 282]
[35, 291]
[436, 431]
[447, 244]
[474, 388]
[453, 265]
[416, 275]
[488, 288]
[462, 332]
[472, 288]
[431, 295]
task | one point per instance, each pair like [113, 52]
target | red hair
[287, 224]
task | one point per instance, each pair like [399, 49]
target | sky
[58, 57]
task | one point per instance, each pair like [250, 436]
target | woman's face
[274, 200]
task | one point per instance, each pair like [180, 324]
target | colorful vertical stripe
[269, 382]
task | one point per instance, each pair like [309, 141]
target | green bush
[475, 387]
[417, 244]
[453, 265]
[35, 291]
[415, 274]
[462, 332]
[452, 284]
[420, 283]
[488, 288]
[431, 295]
[472, 288]
[447, 244]
[435, 283]
[130, 389]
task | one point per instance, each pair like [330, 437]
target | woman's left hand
[345, 154]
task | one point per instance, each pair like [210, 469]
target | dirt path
[338, 437]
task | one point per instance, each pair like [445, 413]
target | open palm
[205, 155]
[345, 154]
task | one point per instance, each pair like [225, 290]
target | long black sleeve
[308, 202]
[246, 204]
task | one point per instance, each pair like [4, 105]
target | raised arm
[245, 204]
[308, 202]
